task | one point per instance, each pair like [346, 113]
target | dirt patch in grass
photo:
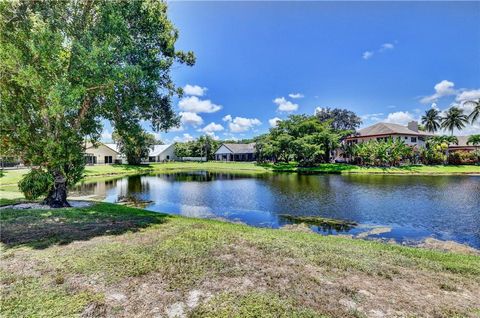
[448, 246]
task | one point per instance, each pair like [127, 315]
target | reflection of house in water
[99, 188]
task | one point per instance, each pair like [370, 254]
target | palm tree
[431, 120]
[455, 118]
[476, 110]
[474, 140]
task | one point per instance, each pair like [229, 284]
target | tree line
[308, 140]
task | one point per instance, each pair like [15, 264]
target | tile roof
[462, 142]
[388, 128]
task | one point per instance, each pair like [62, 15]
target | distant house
[463, 145]
[102, 153]
[162, 153]
[409, 134]
[236, 152]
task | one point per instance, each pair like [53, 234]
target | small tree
[454, 118]
[65, 66]
[473, 140]
[134, 143]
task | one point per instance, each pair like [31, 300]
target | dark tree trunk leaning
[57, 197]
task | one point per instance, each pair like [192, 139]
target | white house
[236, 152]
[102, 153]
[162, 153]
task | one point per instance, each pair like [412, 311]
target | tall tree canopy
[340, 119]
[300, 137]
[65, 66]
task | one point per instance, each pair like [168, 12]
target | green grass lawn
[111, 260]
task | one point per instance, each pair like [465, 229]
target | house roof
[158, 149]
[380, 129]
[240, 148]
[462, 143]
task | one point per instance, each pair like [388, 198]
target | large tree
[67, 65]
[454, 118]
[340, 119]
[431, 120]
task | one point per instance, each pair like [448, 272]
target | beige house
[102, 154]
[161, 153]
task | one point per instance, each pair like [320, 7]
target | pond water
[403, 208]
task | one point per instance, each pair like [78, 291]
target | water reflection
[446, 207]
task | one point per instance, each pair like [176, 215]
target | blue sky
[257, 61]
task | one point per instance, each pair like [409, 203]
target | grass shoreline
[112, 260]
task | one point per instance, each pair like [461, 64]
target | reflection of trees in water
[321, 224]
[203, 176]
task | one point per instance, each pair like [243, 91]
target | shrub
[36, 183]
[462, 158]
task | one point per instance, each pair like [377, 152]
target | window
[413, 139]
[108, 159]
[406, 137]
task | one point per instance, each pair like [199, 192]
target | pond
[401, 208]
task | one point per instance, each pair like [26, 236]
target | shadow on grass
[40, 229]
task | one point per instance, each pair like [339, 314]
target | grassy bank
[110, 260]
[10, 178]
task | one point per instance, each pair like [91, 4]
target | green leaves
[36, 183]
[302, 138]
[66, 65]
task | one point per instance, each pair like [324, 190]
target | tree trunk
[57, 197]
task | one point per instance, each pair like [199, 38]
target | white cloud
[386, 46]
[176, 129]
[194, 90]
[106, 135]
[285, 105]
[367, 55]
[240, 124]
[227, 118]
[383, 48]
[195, 105]
[212, 127]
[190, 118]
[185, 137]
[372, 117]
[212, 135]
[467, 95]
[274, 121]
[444, 88]
[296, 95]
[401, 118]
